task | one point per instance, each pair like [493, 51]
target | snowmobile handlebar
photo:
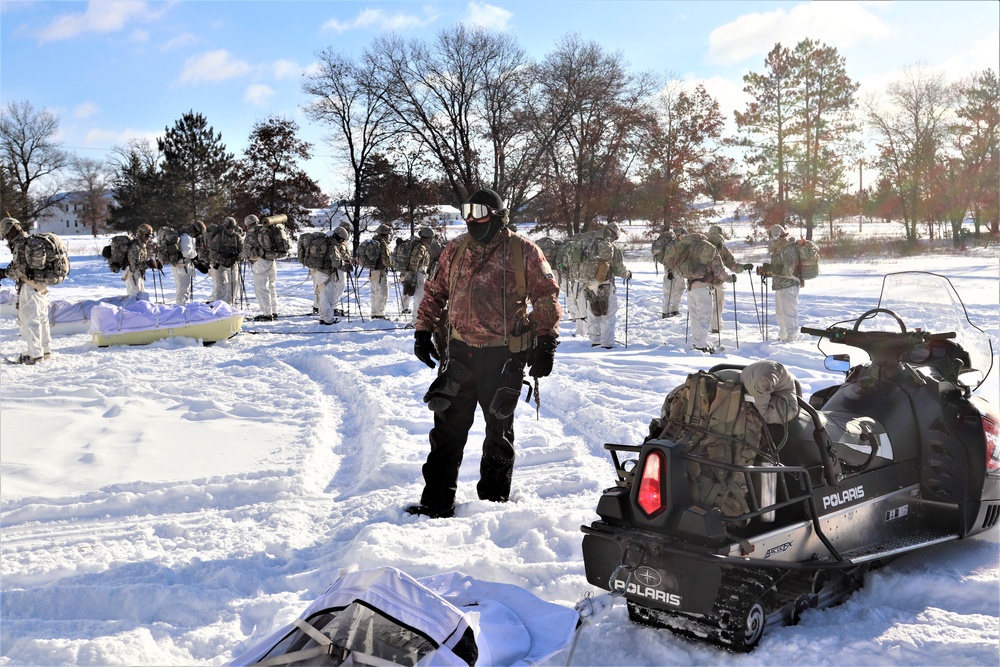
[884, 347]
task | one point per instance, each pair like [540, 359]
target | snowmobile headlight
[651, 483]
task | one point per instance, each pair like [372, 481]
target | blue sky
[115, 70]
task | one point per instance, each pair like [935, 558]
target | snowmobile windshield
[354, 635]
[929, 302]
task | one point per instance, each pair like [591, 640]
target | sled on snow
[143, 323]
[384, 616]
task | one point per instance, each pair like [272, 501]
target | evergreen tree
[195, 166]
[140, 192]
[268, 180]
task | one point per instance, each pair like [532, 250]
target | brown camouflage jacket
[484, 305]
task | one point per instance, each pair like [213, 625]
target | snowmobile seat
[854, 438]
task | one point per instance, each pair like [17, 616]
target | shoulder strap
[517, 254]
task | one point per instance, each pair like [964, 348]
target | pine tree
[195, 167]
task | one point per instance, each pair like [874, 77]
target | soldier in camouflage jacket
[484, 356]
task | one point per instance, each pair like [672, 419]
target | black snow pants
[493, 382]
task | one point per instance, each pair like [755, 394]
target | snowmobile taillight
[651, 483]
[992, 432]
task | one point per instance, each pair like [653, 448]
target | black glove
[542, 356]
[731, 278]
[748, 267]
[3, 273]
[670, 275]
[154, 263]
[423, 347]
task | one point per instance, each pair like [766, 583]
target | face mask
[483, 232]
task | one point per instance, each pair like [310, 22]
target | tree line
[571, 141]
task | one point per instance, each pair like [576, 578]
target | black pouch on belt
[446, 386]
[505, 399]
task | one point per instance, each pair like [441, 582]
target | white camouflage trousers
[135, 281]
[786, 312]
[265, 280]
[601, 329]
[699, 305]
[418, 296]
[380, 291]
[183, 271]
[33, 319]
[672, 292]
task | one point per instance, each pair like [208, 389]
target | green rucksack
[314, 251]
[369, 254]
[116, 252]
[662, 246]
[710, 418]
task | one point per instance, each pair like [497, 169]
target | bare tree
[89, 181]
[591, 160]
[347, 99]
[32, 158]
[911, 129]
[681, 146]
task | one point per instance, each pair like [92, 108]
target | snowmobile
[899, 456]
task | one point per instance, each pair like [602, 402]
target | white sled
[143, 322]
[66, 318]
[386, 617]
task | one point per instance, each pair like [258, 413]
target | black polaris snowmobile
[900, 456]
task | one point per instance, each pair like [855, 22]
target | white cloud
[138, 36]
[486, 15]
[100, 138]
[183, 39]
[213, 66]
[101, 17]
[379, 20]
[85, 110]
[286, 69]
[837, 24]
[257, 94]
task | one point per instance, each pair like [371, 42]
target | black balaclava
[484, 232]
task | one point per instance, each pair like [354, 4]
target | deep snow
[175, 503]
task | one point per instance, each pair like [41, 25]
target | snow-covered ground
[174, 503]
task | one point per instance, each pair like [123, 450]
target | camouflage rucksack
[46, 259]
[401, 253]
[710, 418]
[663, 246]
[314, 251]
[117, 252]
[274, 241]
[600, 254]
[168, 245]
[369, 254]
[692, 256]
[808, 264]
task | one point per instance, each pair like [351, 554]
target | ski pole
[756, 310]
[736, 320]
[626, 312]
[687, 318]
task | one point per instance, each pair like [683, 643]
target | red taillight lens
[651, 483]
[992, 431]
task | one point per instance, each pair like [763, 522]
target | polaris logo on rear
[649, 576]
[844, 497]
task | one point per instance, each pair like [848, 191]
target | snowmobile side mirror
[838, 362]
[970, 377]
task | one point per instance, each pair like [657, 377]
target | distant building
[64, 217]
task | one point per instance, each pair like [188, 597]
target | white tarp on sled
[66, 317]
[385, 617]
[143, 322]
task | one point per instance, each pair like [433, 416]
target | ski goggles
[479, 211]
